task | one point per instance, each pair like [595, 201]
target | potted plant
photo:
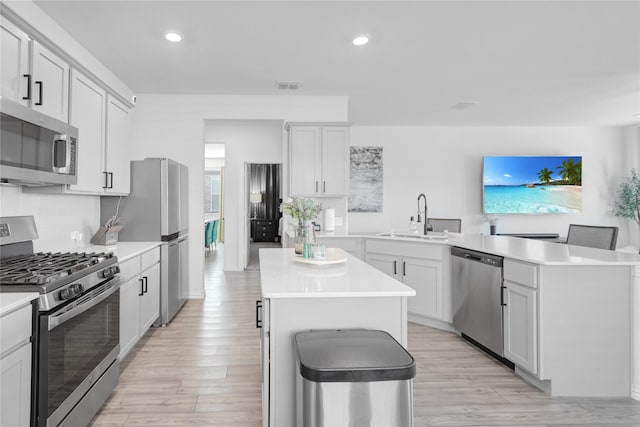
[627, 204]
[304, 210]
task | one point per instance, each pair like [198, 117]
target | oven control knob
[66, 293]
[109, 272]
[77, 289]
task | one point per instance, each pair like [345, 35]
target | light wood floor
[203, 370]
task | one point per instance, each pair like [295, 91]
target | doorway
[264, 198]
[214, 156]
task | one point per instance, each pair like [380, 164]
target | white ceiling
[523, 62]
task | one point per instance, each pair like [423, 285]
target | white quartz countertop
[546, 253]
[282, 277]
[10, 301]
[529, 250]
[123, 250]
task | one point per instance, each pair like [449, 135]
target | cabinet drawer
[15, 327]
[520, 272]
[396, 248]
[149, 258]
[129, 268]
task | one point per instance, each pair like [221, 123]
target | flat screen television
[532, 184]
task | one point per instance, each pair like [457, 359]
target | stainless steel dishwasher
[477, 297]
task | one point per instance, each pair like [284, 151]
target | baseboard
[544, 385]
[433, 323]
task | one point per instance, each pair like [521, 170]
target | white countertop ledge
[528, 250]
[10, 301]
[545, 253]
[123, 250]
[282, 277]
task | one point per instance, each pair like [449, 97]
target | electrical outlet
[74, 235]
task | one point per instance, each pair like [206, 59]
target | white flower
[300, 208]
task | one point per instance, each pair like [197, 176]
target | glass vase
[303, 234]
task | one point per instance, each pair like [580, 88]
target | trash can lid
[352, 355]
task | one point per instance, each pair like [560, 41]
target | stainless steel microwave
[35, 149]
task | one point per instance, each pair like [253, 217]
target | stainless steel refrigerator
[157, 211]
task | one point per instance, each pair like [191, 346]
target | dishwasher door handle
[472, 257]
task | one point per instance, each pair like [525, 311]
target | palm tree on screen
[571, 172]
[544, 175]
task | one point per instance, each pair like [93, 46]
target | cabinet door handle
[106, 179]
[316, 186]
[324, 186]
[145, 288]
[258, 310]
[39, 93]
[502, 303]
[395, 267]
[110, 179]
[141, 287]
[28, 97]
[404, 268]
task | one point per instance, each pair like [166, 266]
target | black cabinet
[264, 230]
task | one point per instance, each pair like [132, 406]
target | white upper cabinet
[33, 75]
[117, 169]
[14, 66]
[88, 113]
[103, 124]
[319, 159]
[50, 83]
[335, 161]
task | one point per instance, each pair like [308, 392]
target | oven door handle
[57, 320]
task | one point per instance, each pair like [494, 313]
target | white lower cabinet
[15, 367]
[520, 331]
[420, 266]
[139, 297]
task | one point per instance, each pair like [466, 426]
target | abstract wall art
[366, 179]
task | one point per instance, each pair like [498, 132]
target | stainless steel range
[76, 364]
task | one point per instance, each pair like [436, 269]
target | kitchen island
[572, 313]
[298, 297]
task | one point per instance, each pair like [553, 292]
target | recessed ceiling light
[173, 37]
[361, 40]
[462, 105]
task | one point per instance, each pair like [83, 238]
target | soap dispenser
[413, 227]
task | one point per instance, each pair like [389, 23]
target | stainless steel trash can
[353, 377]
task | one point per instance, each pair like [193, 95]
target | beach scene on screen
[532, 184]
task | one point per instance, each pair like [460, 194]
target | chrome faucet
[427, 227]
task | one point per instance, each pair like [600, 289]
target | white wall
[445, 163]
[173, 126]
[246, 141]
[56, 216]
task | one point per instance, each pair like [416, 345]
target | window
[212, 191]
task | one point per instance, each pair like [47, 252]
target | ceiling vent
[463, 105]
[282, 85]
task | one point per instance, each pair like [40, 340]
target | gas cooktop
[44, 268]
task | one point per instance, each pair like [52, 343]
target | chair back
[593, 236]
[214, 230]
[450, 224]
[208, 228]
